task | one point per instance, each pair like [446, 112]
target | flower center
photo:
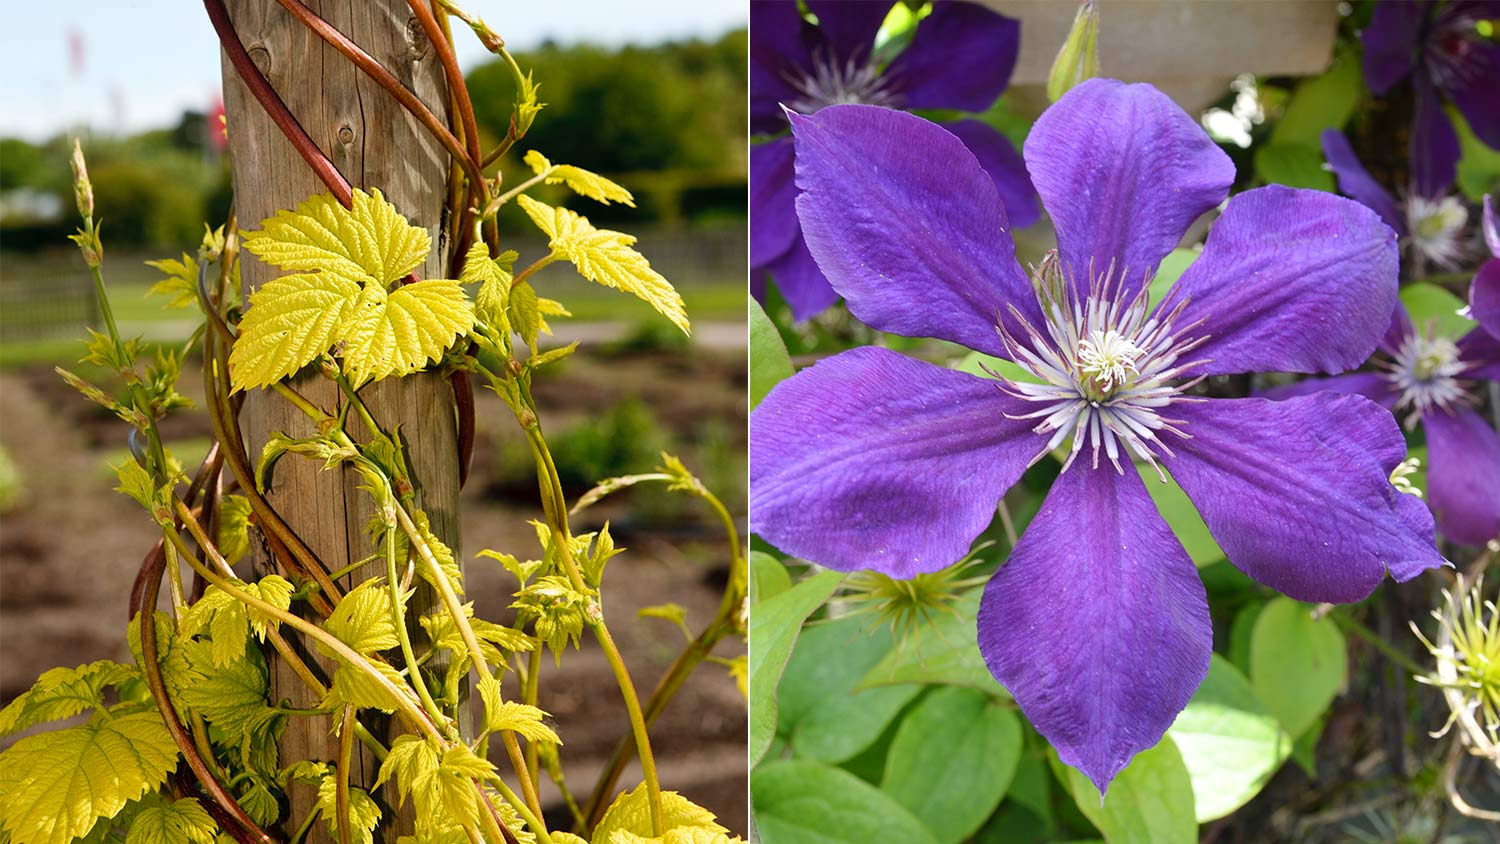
[1425, 373]
[1436, 227]
[1105, 363]
[834, 82]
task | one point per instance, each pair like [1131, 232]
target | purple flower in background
[1431, 225]
[1484, 293]
[1097, 623]
[960, 58]
[1426, 379]
[1439, 46]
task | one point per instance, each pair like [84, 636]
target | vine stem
[1389, 651]
[341, 785]
[557, 515]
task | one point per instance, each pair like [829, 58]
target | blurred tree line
[669, 119]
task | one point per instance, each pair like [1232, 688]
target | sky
[143, 62]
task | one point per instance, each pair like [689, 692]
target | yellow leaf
[402, 331]
[493, 278]
[55, 785]
[291, 320]
[628, 819]
[515, 717]
[365, 620]
[581, 181]
[181, 282]
[605, 257]
[370, 242]
[178, 822]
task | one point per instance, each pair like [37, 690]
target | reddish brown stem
[385, 79]
[463, 399]
[282, 116]
[465, 108]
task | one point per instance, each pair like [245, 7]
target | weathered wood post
[375, 144]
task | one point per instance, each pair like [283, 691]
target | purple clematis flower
[960, 59]
[1431, 225]
[1484, 292]
[1427, 380]
[1440, 48]
[1097, 623]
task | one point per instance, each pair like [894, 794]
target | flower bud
[83, 189]
[1078, 59]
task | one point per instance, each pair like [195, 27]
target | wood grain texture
[375, 144]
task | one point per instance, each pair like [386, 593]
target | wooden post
[375, 144]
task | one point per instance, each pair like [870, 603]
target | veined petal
[801, 283]
[872, 460]
[1098, 623]
[961, 57]
[1484, 296]
[1481, 351]
[1006, 168]
[1372, 385]
[778, 50]
[1292, 281]
[1298, 492]
[1463, 474]
[1123, 171]
[1357, 183]
[773, 196]
[907, 226]
[1434, 149]
[848, 29]
[1390, 42]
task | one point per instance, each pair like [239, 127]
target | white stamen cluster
[1104, 364]
[1425, 373]
[835, 82]
[1436, 228]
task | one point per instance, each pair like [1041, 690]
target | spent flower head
[1467, 652]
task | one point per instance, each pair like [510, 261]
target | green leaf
[234, 527]
[1321, 102]
[799, 802]
[768, 577]
[62, 693]
[1229, 742]
[291, 320]
[231, 696]
[1428, 304]
[1297, 663]
[1150, 802]
[952, 760]
[179, 822]
[605, 257]
[581, 181]
[1182, 516]
[401, 331]
[365, 620]
[369, 242]
[1293, 164]
[769, 362]
[774, 626]
[1478, 166]
[55, 785]
[944, 651]
[822, 714]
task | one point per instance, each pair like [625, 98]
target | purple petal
[872, 460]
[1357, 183]
[778, 52]
[1434, 145]
[1397, 331]
[1484, 297]
[961, 58]
[1475, 95]
[773, 201]
[1123, 171]
[1390, 43]
[1006, 168]
[1481, 351]
[1298, 492]
[801, 283]
[1098, 623]
[849, 28]
[1463, 474]
[1292, 281]
[907, 226]
[1372, 385]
